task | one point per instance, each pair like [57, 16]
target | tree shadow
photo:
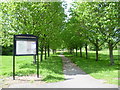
[51, 78]
[70, 68]
[28, 65]
[52, 66]
[50, 69]
[90, 65]
[74, 72]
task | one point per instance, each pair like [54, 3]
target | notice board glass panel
[25, 47]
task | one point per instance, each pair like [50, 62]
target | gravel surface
[32, 79]
[74, 78]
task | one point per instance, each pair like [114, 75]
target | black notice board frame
[25, 37]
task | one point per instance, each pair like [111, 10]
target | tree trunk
[76, 51]
[53, 51]
[86, 51]
[45, 53]
[97, 48]
[34, 57]
[41, 56]
[70, 51]
[111, 54]
[48, 51]
[80, 51]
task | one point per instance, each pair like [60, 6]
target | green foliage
[97, 23]
[7, 50]
[100, 69]
[52, 69]
[43, 19]
[93, 48]
[72, 38]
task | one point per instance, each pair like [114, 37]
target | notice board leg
[38, 66]
[13, 67]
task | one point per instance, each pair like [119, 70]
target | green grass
[100, 69]
[50, 69]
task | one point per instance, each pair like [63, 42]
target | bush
[7, 50]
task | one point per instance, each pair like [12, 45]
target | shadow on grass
[51, 78]
[91, 66]
[98, 69]
[27, 65]
[52, 66]
[50, 69]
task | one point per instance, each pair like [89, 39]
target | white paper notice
[25, 47]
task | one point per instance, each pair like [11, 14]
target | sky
[68, 3]
[68, 7]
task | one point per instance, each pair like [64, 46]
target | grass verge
[50, 69]
[100, 69]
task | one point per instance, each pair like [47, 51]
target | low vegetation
[50, 69]
[98, 69]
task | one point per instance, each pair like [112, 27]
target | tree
[111, 26]
[99, 23]
[43, 19]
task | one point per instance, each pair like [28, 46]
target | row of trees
[95, 23]
[42, 19]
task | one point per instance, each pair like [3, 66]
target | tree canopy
[90, 23]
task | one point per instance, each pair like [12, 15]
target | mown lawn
[100, 69]
[50, 69]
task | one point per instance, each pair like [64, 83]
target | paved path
[75, 78]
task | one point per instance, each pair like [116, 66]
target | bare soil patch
[6, 82]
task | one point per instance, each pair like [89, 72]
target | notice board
[25, 45]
